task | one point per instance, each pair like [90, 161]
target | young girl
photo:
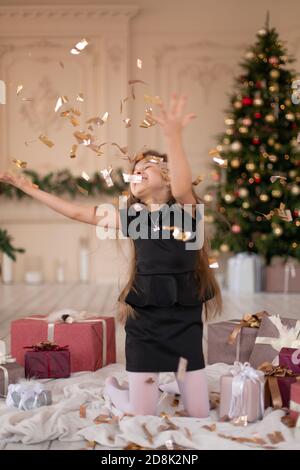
[161, 305]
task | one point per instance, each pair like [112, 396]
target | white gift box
[245, 273]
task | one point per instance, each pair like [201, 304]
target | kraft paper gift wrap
[242, 393]
[274, 334]
[91, 342]
[233, 340]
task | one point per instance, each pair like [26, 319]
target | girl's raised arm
[82, 213]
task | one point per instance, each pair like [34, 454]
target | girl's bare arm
[82, 213]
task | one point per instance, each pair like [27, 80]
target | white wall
[192, 46]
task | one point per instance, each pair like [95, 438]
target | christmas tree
[257, 172]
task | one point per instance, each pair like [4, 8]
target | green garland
[6, 246]
[63, 182]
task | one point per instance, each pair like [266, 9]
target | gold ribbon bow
[272, 373]
[248, 320]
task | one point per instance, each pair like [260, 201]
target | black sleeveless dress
[168, 309]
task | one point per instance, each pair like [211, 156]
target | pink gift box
[295, 401]
[251, 397]
[91, 342]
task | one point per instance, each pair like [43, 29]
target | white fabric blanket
[62, 420]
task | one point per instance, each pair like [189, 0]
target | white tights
[142, 396]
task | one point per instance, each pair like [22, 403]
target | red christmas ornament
[246, 101]
[257, 179]
[273, 60]
[257, 115]
[258, 84]
[296, 213]
[256, 141]
[236, 228]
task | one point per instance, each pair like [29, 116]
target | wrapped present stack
[91, 342]
[263, 348]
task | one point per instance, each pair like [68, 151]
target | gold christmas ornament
[273, 158]
[243, 192]
[235, 163]
[276, 193]
[264, 197]
[295, 190]
[245, 205]
[228, 198]
[247, 121]
[224, 248]
[229, 131]
[257, 102]
[250, 166]
[229, 121]
[277, 230]
[274, 88]
[277, 146]
[274, 73]
[237, 104]
[290, 116]
[236, 146]
[243, 130]
[270, 118]
[271, 141]
[249, 55]
[262, 32]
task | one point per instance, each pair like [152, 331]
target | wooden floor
[20, 300]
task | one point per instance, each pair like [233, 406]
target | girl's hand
[19, 181]
[172, 121]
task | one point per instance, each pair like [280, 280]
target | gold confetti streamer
[79, 47]
[74, 121]
[19, 163]
[148, 121]
[82, 411]
[134, 82]
[60, 101]
[139, 63]
[147, 432]
[282, 179]
[178, 234]
[61, 64]
[124, 150]
[213, 152]
[213, 264]
[198, 180]
[83, 137]
[155, 100]
[45, 140]
[106, 175]
[80, 97]
[221, 162]
[73, 151]
[127, 122]
[182, 365]
[128, 178]
[19, 89]
[276, 437]
[210, 427]
[149, 381]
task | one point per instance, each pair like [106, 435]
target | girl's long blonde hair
[203, 273]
